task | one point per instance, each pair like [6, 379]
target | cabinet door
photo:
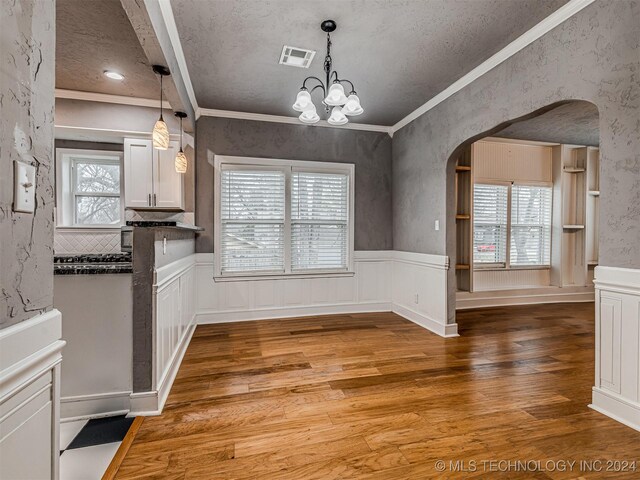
[168, 183]
[138, 173]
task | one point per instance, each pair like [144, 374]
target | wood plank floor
[374, 396]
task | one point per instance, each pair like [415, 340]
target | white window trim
[288, 166]
[507, 264]
[65, 186]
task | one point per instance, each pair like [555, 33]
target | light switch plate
[24, 187]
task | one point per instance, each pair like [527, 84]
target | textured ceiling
[399, 53]
[573, 123]
[93, 36]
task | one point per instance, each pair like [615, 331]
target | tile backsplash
[78, 240]
[85, 241]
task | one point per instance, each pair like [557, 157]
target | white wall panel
[30, 356]
[484, 280]
[617, 384]
[511, 162]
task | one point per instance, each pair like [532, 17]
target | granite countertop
[163, 224]
[92, 264]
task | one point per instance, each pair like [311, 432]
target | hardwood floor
[375, 396]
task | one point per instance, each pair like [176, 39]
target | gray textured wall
[593, 56]
[369, 151]
[27, 37]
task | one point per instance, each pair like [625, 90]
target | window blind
[252, 207]
[490, 224]
[319, 220]
[530, 225]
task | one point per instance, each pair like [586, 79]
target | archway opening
[523, 210]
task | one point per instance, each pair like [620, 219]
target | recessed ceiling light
[113, 75]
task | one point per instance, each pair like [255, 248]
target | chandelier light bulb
[336, 96]
[303, 101]
[337, 117]
[309, 116]
[352, 107]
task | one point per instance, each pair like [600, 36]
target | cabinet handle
[155, 204]
[149, 201]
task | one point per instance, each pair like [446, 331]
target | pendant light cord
[181, 134]
[161, 97]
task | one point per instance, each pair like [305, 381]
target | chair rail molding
[30, 357]
[616, 392]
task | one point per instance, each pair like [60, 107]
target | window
[490, 224]
[522, 210]
[282, 217]
[89, 188]
[530, 225]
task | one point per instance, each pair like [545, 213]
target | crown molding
[107, 98]
[556, 18]
[261, 117]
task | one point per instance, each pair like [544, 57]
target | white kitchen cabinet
[150, 180]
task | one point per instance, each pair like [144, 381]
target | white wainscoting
[383, 281]
[617, 384]
[173, 325]
[30, 356]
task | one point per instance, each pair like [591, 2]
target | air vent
[296, 57]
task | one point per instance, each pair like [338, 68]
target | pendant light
[160, 130]
[181, 158]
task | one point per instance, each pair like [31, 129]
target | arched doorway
[549, 160]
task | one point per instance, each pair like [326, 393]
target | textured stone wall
[27, 38]
[593, 56]
[369, 151]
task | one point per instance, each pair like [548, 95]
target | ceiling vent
[296, 57]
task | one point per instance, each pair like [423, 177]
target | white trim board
[107, 98]
[556, 18]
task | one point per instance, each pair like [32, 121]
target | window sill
[280, 276]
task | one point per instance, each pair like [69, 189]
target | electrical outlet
[164, 245]
[437, 225]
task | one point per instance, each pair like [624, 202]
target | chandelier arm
[353, 89]
[324, 92]
[304, 84]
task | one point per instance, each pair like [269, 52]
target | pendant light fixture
[160, 130]
[181, 158]
[335, 101]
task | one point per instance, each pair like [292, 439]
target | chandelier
[335, 101]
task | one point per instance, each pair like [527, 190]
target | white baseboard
[99, 405]
[204, 318]
[616, 407]
[521, 296]
[448, 330]
[152, 403]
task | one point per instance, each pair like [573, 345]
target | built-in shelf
[595, 193]
[462, 168]
[462, 216]
[573, 170]
[573, 227]
[462, 266]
